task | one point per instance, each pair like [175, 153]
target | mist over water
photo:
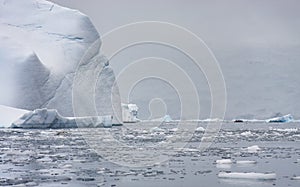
[257, 44]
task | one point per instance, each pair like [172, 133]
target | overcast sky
[257, 43]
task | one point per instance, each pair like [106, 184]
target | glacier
[39, 57]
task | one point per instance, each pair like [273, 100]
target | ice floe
[200, 129]
[253, 149]
[224, 161]
[246, 162]
[247, 175]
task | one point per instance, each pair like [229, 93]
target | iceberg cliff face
[42, 45]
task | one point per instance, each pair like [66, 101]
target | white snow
[8, 115]
[249, 175]
[224, 161]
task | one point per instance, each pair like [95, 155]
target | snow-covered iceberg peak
[58, 35]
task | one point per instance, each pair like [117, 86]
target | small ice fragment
[200, 129]
[157, 129]
[285, 130]
[224, 161]
[249, 175]
[246, 133]
[296, 178]
[246, 162]
[67, 166]
[253, 149]
[173, 130]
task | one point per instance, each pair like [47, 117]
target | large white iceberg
[44, 118]
[41, 47]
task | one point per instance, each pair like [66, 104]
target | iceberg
[40, 56]
[167, 118]
[282, 119]
[129, 113]
[50, 118]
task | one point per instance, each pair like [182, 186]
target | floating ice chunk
[224, 161]
[296, 178]
[282, 119]
[156, 129]
[253, 149]
[285, 130]
[246, 133]
[249, 175]
[167, 118]
[207, 139]
[190, 150]
[246, 162]
[200, 129]
[173, 130]
[212, 120]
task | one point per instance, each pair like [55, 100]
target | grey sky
[257, 44]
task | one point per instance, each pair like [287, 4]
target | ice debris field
[241, 155]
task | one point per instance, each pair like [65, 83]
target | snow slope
[41, 47]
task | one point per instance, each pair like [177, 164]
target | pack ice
[41, 48]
